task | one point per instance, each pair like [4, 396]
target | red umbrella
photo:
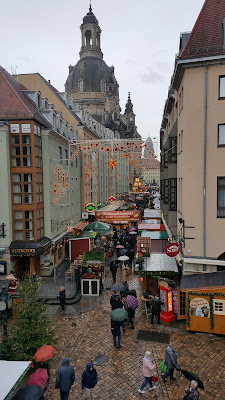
[44, 353]
[39, 377]
[132, 302]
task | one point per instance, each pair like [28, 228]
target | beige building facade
[194, 123]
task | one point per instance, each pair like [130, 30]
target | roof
[155, 234]
[201, 281]
[206, 38]
[12, 373]
[14, 104]
[151, 227]
[90, 18]
[80, 225]
[159, 262]
[151, 213]
[150, 163]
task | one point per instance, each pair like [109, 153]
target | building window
[60, 155]
[66, 156]
[221, 197]
[81, 85]
[103, 86]
[166, 191]
[221, 87]
[172, 194]
[173, 150]
[71, 158]
[181, 100]
[221, 135]
[219, 307]
[166, 159]
[162, 189]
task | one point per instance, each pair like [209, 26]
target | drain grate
[148, 336]
[101, 359]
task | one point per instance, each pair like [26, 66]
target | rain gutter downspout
[204, 167]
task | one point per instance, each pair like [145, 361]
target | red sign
[172, 249]
[112, 199]
[111, 216]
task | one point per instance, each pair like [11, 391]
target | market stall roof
[97, 226]
[12, 372]
[110, 207]
[203, 281]
[155, 234]
[151, 221]
[151, 227]
[80, 225]
[151, 213]
[158, 264]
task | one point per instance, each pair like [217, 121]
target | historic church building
[92, 83]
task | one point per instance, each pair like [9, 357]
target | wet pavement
[83, 336]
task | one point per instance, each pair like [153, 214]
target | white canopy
[11, 373]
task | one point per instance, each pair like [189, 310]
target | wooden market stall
[205, 302]
[93, 273]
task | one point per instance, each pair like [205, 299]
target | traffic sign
[172, 249]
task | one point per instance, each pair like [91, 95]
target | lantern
[141, 279]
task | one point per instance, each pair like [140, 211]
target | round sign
[172, 249]
[90, 207]
[112, 199]
[2, 305]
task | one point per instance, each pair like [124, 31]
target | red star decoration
[112, 163]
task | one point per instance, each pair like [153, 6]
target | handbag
[154, 379]
[163, 366]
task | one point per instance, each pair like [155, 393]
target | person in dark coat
[171, 362]
[192, 392]
[89, 380]
[113, 300]
[64, 379]
[113, 269]
[115, 329]
[62, 298]
[131, 314]
[156, 308]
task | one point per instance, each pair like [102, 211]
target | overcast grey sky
[140, 38]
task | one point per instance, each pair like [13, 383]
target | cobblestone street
[85, 336]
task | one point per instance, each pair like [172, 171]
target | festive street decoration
[60, 188]
[112, 199]
[90, 207]
[126, 155]
[112, 163]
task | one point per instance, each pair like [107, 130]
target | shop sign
[14, 128]
[200, 307]
[112, 199]
[25, 128]
[90, 207]
[84, 215]
[22, 252]
[116, 216]
[172, 249]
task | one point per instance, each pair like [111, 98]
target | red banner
[116, 216]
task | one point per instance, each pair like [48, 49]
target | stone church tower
[91, 82]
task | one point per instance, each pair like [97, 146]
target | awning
[158, 264]
[80, 225]
[203, 281]
[57, 238]
[12, 372]
[151, 227]
[29, 248]
[155, 234]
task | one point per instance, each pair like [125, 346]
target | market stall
[12, 373]
[93, 273]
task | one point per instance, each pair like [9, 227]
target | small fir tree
[29, 329]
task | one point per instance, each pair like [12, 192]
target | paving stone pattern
[84, 337]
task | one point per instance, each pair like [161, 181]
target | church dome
[91, 74]
[90, 18]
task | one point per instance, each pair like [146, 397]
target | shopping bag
[154, 379]
[163, 366]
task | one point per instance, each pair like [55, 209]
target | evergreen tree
[29, 328]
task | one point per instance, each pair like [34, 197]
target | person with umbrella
[65, 378]
[132, 304]
[192, 392]
[171, 362]
[117, 316]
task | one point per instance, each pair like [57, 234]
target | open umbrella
[132, 302]
[118, 287]
[132, 229]
[123, 258]
[44, 353]
[29, 392]
[39, 377]
[120, 246]
[97, 226]
[119, 314]
[192, 377]
[133, 233]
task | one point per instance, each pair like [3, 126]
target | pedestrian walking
[89, 380]
[113, 269]
[64, 379]
[115, 329]
[148, 367]
[124, 272]
[156, 308]
[62, 298]
[192, 392]
[171, 362]
[131, 314]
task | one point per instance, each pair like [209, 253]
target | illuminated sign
[170, 302]
[99, 204]
[90, 207]
[112, 199]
